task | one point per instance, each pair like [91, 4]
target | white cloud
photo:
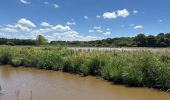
[26, 23]
[138, 27]
[109, 15]
[23, 25]
[89, 38]
[71, 23]
[86, 17]
[98, 16]
[56, 5]
[25, 29]
[8, 30]
[113, 15]
[97, 27]
[123, 13]
[22, 28]
[135, 11]
[107, 33]
[24, 2]
[61, 28]
[91, 31]
[45, 24]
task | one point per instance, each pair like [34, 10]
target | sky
[83, 20]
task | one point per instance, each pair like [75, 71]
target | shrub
[16, 62]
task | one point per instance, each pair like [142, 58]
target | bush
[16, 62]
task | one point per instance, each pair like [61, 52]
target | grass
[132, 68]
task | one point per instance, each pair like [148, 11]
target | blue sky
[83, 19]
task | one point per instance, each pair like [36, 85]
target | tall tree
[41, 40]
[141, 40]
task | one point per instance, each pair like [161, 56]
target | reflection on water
[5, 73]
[34, 84]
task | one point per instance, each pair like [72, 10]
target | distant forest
[141, 40]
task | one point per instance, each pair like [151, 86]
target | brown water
[50, 85]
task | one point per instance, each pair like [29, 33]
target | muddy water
[34, 84]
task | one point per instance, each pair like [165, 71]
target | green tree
[41, 40]
[140, 40]
[151, 41]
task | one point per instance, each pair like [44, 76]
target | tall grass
[133, 68]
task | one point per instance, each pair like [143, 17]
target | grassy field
[132, 68]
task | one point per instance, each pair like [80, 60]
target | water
[34, 84]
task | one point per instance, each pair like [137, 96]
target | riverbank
[132, 68]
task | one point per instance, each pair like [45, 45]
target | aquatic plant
[133, 68]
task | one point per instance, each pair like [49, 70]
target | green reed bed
[132, 68]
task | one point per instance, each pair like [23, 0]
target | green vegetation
[4, 41]
[161, 40]
[133, 68]
[40, 40]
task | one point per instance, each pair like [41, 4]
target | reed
[133, 68]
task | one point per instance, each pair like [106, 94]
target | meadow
[139, 68]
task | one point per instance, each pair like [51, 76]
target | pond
[34, 84]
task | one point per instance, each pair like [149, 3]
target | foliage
[133, 68]
[40, 40]
[4, 41]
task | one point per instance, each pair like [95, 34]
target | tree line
[141, 40]
[40, 40]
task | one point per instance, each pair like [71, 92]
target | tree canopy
[41, 40]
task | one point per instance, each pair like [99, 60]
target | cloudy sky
[82, 19]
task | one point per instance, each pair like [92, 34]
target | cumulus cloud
[9, 30]
[123, 13]
[138, 27]
[109, 15]
[61, 28]
[23, 25]
[113, 15]
[24, 2]
[45, 24]
[26, 23]
[26, 29]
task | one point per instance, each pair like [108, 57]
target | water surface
[51, 85]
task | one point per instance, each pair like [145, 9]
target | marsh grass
[132, 68]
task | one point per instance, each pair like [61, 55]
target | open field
[143, 68]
